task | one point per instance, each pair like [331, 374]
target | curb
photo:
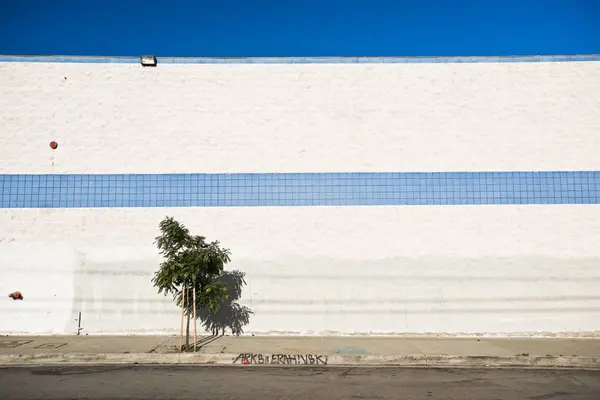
[299, 361]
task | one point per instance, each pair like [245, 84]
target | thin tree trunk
[187, 333]
[195, 335]
[182, 313]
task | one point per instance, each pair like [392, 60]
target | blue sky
[300, 28]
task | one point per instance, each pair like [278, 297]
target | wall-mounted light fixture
[148, 61]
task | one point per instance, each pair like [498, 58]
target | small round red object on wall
[53, 145]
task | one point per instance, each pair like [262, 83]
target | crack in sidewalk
[159, 345]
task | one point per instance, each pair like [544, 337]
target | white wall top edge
[303, 60]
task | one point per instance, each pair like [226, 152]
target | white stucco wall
[311, 270]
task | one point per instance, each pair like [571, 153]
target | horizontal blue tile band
[299, 189]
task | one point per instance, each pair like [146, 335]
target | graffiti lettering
[281, 359]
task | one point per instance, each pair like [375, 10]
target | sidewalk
[356, 351]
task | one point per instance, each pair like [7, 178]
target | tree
[190, 270]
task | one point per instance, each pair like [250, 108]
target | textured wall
[122, 118]
[390, 269]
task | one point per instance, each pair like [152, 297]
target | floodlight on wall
[148, 61]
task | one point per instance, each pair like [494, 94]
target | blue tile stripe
[299, 189]
[302, 60]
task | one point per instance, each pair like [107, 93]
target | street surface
[314, 383]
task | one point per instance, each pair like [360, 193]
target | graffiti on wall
[281, 359]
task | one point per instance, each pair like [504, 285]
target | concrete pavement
[285, 350]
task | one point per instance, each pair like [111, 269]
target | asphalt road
[265, 383]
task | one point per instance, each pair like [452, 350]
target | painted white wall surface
[123, 118]
[491, 269]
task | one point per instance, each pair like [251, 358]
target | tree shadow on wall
[231, 315]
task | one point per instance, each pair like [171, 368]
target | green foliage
[190, 261]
